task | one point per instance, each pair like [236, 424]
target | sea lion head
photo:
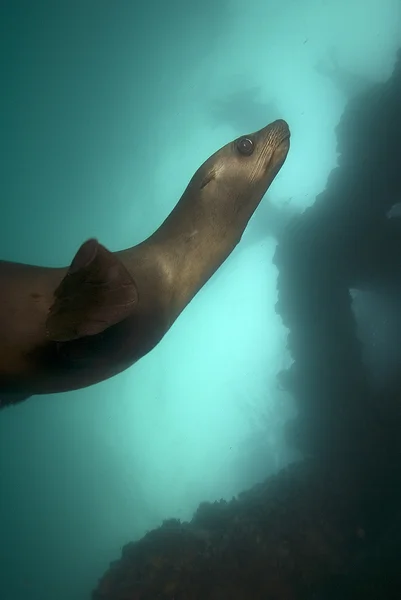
[214, 210]
[239, 174]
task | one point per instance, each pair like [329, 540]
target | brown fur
[67, 328]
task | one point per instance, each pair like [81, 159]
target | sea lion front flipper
[96, 293]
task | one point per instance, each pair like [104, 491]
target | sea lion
[67, 328]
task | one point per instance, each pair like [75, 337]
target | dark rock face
[328, 527]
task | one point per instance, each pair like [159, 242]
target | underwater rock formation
[344, 241]
[301, 533]
[328, 527]
[274, 541]
[350, 240]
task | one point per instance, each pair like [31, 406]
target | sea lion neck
[192, 242]
[210, 218]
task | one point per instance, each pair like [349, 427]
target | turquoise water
[107, 109]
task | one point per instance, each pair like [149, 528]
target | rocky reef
[329, 526]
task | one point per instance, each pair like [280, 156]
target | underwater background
[107, 109]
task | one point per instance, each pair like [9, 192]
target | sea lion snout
[279, 129]
[278, 132]
[273, 138]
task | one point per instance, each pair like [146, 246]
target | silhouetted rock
[328, 527]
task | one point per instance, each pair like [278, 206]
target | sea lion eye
[245, 146]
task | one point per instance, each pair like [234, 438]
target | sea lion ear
[96, 293]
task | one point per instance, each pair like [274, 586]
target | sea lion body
[67, 328]
[31, 363]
